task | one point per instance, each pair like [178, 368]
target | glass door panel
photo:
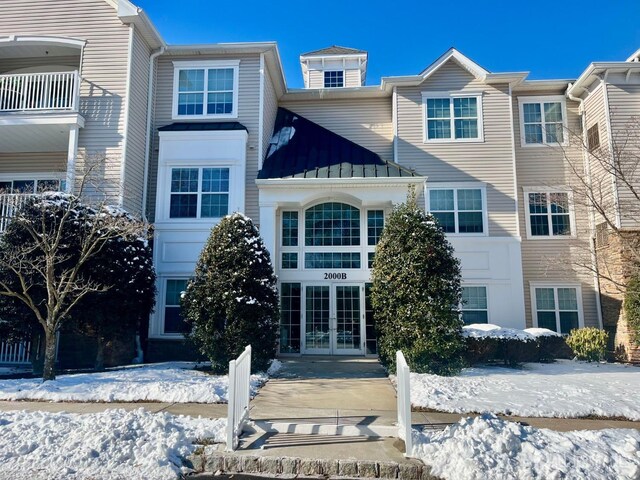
[348, 319]
[317, 319]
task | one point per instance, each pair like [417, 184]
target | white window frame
[486, 289]
[10, 177]
[344, 77]
[199, 193]
[206, 65]
[541, 100]
[451, 95]
[548, 190]
[461, 186]
[555, 286]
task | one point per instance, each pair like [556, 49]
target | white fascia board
[370, 91]
[546, 85]
[205, 134]
[213, 48]
[39, 39]
[43, 119]
[334, 55]
[130, 13]
[598, 68]
[276, 183]
[513, 78]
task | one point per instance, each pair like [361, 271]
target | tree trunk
[49, 371]
[99, 365]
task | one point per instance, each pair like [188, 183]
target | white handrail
[39, 91]
[10, 203]
[15, 353]
[239, 395]
[403, 380]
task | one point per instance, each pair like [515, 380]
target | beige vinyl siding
[104, 71]
[10, 64]
[33, 162]
[248, 115]
[133, 178]
[595, 112]
[490, 161]
[352, 78]
[316, 79]
[553, 260]
[270, 109]
[624, 107]
[365, 121]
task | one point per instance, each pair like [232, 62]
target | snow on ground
[489, 330]
[114, 444]
[562, 389]
[487, 447]
[163, 382]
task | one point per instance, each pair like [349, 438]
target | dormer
[334, 67]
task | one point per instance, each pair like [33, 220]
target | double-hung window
[334, 79]
[205, 89]
[199, 192]
[557, 307]
[474, 305]
[452, 117]
[458, 210]
[542, 120]
[549, 213]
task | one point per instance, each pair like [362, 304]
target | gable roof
[300, 148]
[334, 50]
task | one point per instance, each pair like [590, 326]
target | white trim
[69, 118]
[555, 286]
[572, 214]
[261, 114]
[541, 99]
[72, 152]
[37, 40]
[157, 327]
[514, 163]
[394, 119]
[208, 64]
[127, 108]
[478, 95]
[455, 186]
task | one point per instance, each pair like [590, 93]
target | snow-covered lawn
[487, 447]
[164, 382]
[114, 444]
[562, 389]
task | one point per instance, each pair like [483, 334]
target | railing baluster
[39, 91]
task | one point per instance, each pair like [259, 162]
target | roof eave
[363, 181]
[131, 14]
[370, 91]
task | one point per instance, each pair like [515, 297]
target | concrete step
[325, 427]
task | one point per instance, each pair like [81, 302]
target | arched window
[332, 224]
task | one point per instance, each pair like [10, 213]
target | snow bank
[164, 382]
[487, 447]
[489, 330]
[562, 389]
[541, 332]
[113, 444]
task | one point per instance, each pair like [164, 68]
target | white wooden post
[239, 396]
[403, 379]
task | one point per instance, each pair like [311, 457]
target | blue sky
[549, 38]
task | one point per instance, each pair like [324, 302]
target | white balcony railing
[10, 203]
[28, 92]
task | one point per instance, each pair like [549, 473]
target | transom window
[332, 237]
[549, 214]
[334, 79]
[173, 321]
[474, 305]
[332, 224]
[453, 118]
[542, 120]
[205, 90]
[199, 193]
[458, 210]
[557, 308]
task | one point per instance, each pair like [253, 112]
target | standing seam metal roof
[300, 148]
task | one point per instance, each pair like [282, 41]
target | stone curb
[217, 462]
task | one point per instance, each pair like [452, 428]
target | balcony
[39, 92]
[10, 203]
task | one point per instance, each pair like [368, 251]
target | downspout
[147, 147]
[592, 218]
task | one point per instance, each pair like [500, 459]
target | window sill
[551, 237]
[540, 145]
[224, 116]
[457, 140]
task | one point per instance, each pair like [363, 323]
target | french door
[333, 319]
